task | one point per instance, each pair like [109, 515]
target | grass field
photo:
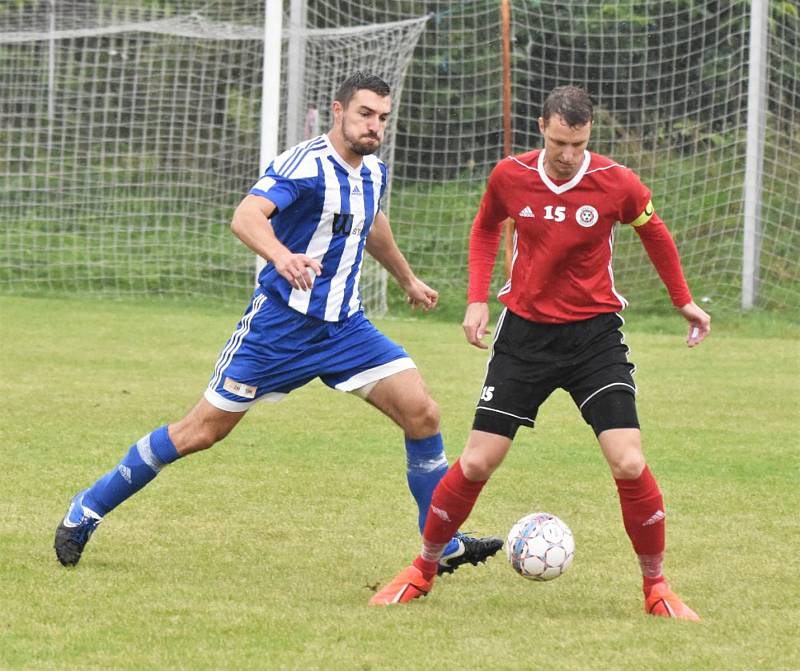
[263, 552]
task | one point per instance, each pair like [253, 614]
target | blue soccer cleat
[75, 531]
[468, 550]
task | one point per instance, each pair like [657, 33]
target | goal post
[754, 160]
[270, 93]
[315, 61]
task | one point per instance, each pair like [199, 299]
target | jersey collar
[566, 186]
[335, 156]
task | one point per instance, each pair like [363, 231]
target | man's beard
[357, 147]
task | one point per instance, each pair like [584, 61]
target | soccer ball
[540, 547]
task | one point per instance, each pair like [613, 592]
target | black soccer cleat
[75, 531]
[469, 551]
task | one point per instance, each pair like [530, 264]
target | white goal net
[673, 85]
[128, 132]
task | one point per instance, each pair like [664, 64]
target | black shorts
[531, 360]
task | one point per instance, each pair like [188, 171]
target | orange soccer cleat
[662, 601]
[407, 585]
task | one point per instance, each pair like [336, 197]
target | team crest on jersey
[587, 216]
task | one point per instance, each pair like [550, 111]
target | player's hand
[421, 295]
[699, 323]
[297, 269]
[475, 324]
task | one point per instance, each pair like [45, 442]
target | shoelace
[85, 529]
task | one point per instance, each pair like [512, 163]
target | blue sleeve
[280, 190]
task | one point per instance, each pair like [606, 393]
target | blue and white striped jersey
[325, 210]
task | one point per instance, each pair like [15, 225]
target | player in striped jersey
[312, 215]
[560, 329]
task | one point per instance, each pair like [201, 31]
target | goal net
[670, 82]
[129, 132]
[673, 86]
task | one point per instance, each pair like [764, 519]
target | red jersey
[561, 267]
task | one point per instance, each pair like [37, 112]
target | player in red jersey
[560, 329]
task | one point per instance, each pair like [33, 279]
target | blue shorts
[276, 349]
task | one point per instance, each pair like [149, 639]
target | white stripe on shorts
[374, 374]
[219, 401]
[235, 341]
[503, 412]
[595, 393]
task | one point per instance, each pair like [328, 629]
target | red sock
[451, 504]
[427, 566]
[644, 519]
[648, 583]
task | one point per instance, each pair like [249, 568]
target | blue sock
[426, 466]
[142, 463]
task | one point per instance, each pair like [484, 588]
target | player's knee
[193, 435]
[476, 468]
[483, 454]
[194, 440]
[422, 419]
[478, 465]
[432, 416]
[627, 465]
[207, 436]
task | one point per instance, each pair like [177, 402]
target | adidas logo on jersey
[356, 191]
[526, 212]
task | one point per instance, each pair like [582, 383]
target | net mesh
[129, 135]
[670, 82]
[125, 148]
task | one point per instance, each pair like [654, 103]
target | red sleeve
[484, 240]
[663, 253]
[634, 200]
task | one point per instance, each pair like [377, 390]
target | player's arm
[252, 226]
[508, 245]
[382, 246]
[663, 253]
[484, 240]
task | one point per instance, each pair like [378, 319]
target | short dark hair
[571, 103]
[358, 81]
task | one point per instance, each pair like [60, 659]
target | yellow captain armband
[645, 216]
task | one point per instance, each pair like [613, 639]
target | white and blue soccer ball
[540, 547]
